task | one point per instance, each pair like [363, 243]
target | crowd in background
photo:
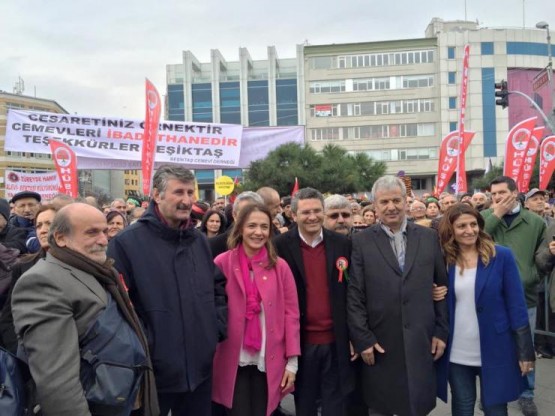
[299, 314]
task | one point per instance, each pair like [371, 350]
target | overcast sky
[92, 56]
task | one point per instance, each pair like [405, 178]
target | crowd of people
[357, 307]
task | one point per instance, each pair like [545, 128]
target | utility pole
[545, 25]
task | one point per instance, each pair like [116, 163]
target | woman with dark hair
[213, 223]
[256, 365]
[432, 208]
[43, 220]
[489, 333]
[369, 215]
[116, 223]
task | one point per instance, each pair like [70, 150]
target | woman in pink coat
[256, 365]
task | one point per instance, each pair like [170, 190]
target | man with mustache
[57, 301]
[177, 290]
[337, 214]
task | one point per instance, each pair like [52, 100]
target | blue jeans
[531, 376]
[462, 379]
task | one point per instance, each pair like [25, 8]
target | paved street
[545, 394]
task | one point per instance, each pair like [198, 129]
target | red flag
[66, 166]
[547, 161]
[461, 185]
[515, 149]
[530, 159]
[295, 187]
[152, 118]
[448, 155]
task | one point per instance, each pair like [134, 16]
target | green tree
[332, 170]
[482, 183]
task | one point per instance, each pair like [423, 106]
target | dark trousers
[462, 379]
[250, 396]
[318, 382]
[191, 403]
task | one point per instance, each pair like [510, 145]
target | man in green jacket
[512, 226]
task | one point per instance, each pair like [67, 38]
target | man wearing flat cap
[535, 202]
[26, 204]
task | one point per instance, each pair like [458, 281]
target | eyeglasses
[336, 215]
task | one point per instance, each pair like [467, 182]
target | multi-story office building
[248, 92]
[109, 183]
[393, 100]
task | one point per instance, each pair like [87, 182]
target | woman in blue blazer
[489, 334]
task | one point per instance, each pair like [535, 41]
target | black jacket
[14, 237]
[288, 246]
[178, 293]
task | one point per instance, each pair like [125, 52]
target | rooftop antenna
[19, 86]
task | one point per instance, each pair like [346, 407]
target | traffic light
[502, 92]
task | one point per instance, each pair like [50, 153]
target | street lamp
[545, 25]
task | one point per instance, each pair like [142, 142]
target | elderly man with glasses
[338, 214]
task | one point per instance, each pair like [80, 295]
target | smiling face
[466, 230]
[255, 232]
[309, 216]
[115, 225]
[369, 217]
[391, 206]
[175, 201]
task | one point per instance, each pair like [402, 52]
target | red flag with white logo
[547, 161]
[516, 147]
[152, 118]
[66, 166]
[448, 156]
[525, 174]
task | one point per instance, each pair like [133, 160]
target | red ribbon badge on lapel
[342, 264]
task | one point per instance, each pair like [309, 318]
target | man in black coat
[11, 236]
[394, 322]
[317, 258]
[177, 291]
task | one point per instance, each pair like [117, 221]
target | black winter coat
[178, 293]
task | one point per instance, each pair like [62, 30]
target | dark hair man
[512, 226]
[318, 259]
[177, 290]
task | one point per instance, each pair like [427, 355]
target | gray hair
[117, 200]
[305, 193]
[336, 202]
[247, 196]
[388, 183]
[166, 172]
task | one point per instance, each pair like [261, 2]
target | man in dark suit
[394, 322]
[317, 258]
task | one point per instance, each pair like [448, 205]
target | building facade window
[286, 102]
[486, 48]
[452, 103]
[451, 52]
[371, 84]
[419, 153]
[202, 102]
[230, 103]
[176, 105]
[452, 126]
[373, 59]
[371, 108]
[259, 111]
[380, 131]
[451, 77]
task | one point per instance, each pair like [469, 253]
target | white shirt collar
[316, 241]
